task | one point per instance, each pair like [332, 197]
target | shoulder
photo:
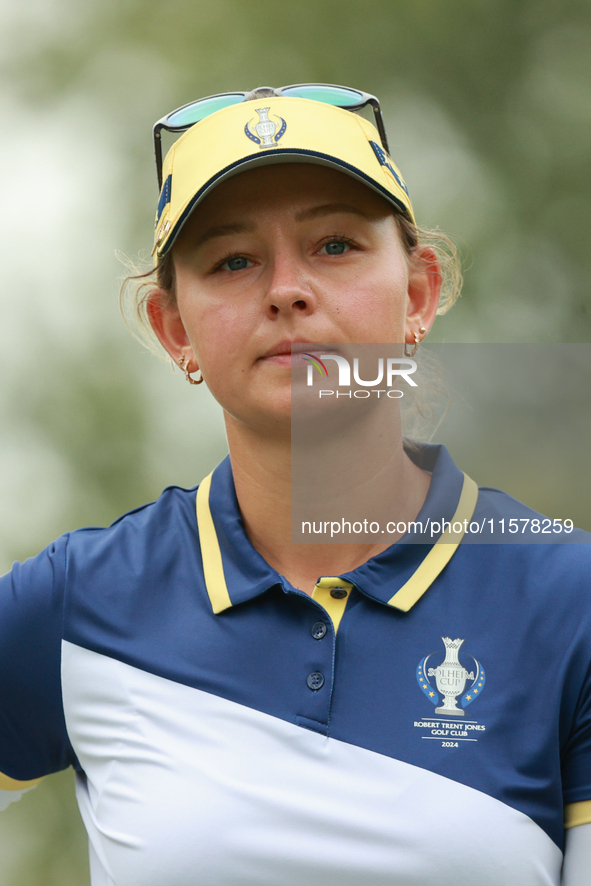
[532, 566]
[142, 531]
[503, 518]
[43, 589]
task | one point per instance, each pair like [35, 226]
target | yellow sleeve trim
[213, 568]
[11, 784]
[440, 554]
[577, 813]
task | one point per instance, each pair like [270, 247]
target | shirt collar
[235, 572]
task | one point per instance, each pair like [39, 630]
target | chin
[268, 418]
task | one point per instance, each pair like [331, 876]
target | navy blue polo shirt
[425, 714]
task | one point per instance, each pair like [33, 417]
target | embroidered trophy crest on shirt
[450, 680]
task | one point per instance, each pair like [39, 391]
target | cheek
[216, 331]
[377, 303]
[393, 284]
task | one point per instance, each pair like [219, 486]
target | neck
[382, 485]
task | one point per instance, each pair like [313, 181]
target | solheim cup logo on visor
[450, 678]
[267, 132]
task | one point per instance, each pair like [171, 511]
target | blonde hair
[141, 283]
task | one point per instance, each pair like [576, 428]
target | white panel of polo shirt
[184, 787]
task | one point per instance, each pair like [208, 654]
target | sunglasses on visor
[338, 96]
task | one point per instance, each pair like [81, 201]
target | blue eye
[335, 247]
[235, 263]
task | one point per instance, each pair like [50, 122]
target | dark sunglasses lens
[197, 111]
[330, 95]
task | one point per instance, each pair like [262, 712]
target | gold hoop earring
[415, 347]
[187, 371]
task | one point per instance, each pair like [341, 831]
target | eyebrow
[223, 231]
[304, 215]
[328, 209]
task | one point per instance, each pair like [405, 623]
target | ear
[165, 320]
[424, 287]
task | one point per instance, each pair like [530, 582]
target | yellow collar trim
[404, 599]
[334, 606]
[213, 568]
[440, 554]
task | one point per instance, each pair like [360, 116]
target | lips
[289, 348]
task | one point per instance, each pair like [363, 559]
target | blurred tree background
[487, 105]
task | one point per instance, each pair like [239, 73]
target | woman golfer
[241, 710]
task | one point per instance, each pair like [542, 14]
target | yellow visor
[270, 130]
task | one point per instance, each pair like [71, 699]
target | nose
[289, 290]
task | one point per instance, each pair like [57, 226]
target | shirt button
[318, 630]
[315, 681]
[338, 593]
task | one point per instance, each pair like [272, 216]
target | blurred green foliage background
[487, 105]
